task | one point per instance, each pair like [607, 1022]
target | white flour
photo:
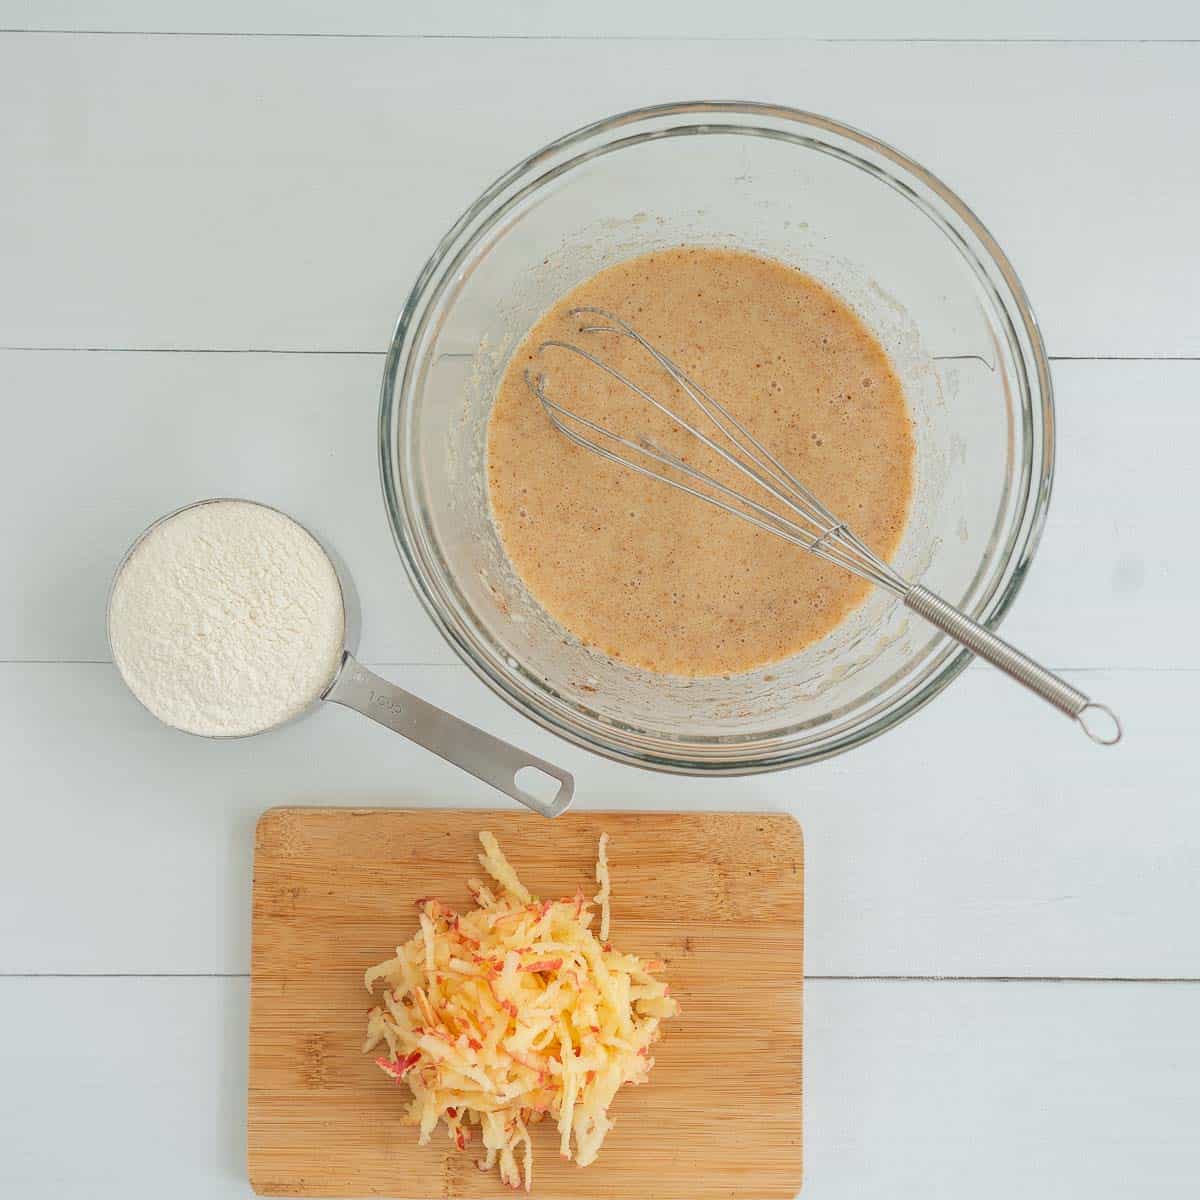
[227, 619]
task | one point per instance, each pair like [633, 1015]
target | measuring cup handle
[1090, 715]
[486, 757]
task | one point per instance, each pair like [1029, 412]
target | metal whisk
[808, 525]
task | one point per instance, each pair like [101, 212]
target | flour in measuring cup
[227, 619]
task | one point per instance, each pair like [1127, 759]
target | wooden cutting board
[719, 896]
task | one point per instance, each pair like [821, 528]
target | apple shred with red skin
[513, 1012]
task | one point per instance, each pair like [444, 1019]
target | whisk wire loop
[815, 528]
[792, 490]
[760, 516]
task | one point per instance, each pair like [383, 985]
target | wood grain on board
[719, 896]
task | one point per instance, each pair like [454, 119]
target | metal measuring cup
[488, 758]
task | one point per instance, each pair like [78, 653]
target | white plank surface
[912, 1089]
[297, 431]
[282, 192]
[987, 837]
[940, 19]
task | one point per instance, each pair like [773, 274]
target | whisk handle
[1021, 667]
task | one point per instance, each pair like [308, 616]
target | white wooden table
[209, 215]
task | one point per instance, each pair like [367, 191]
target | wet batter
[644, 573]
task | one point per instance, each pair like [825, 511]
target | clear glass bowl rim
[526, 695]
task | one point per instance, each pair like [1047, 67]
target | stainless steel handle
[486, 757]
[1021, 667]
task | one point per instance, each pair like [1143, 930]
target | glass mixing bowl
[888, 237]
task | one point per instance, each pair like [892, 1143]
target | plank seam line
[831, 39]
[190, 350]
[409, 664]
[1001, 979]
[1185, 979]
[16, 349]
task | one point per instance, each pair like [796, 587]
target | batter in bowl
[656, 578]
